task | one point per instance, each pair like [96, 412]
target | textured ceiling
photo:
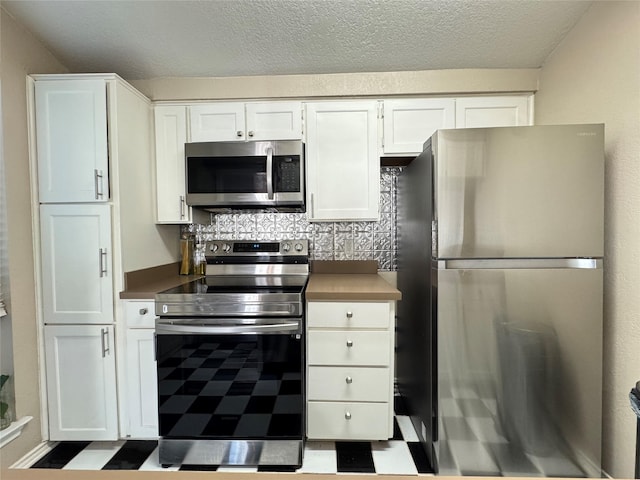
[141, 39]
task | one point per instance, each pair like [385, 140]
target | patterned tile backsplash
[327, 240]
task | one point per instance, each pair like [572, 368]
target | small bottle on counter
[186, 251]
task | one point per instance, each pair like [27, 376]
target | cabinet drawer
[328, 347]
[348, 314]
[140, 314]
[349, 421]
[350, 384]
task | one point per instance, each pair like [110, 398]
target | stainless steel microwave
[241, 175]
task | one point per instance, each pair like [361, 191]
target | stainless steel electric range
[230, 356]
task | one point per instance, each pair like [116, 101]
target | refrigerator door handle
[522, 263]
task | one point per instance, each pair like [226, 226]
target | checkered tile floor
[402, 455]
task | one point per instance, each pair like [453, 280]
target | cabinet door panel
[171, 135]
[217, 122]
[343, 165]
[500, 111]
[71, 138]
[141, 383]
[76, 263]
[409, 123]
[274, 121]
[81, 382]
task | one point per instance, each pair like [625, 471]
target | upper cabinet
[170, 136]
[343, 160]
[71, 121]
[408, 123]
[493, 111]
[239, 121]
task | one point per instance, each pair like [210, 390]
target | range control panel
[250, 248]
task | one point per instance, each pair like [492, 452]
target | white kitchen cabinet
[239, 121]
[81, 382]
[343, 161]
[350, 365]
[170, 137]
[493, 111]
[141, 393]
[408, 123]
[71, 121]
[77, 268]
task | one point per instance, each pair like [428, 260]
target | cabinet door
[71, 139]
[217, 122]
[76, 263]
[343, 164]
[274, 121]
[81, 382]
[142, 387]
[409, 123]
[171, 135]
[502, 111]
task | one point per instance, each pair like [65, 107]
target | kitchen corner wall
[327, 240]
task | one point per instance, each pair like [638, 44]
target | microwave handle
[270, 173]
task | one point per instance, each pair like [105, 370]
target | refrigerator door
[519, 192]
[519, 379]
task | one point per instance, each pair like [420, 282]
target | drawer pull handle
[349, 314]
[349, 343]
[348, 380]
[143, 311]
[347, 415]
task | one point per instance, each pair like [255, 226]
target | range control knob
[286, 247]
[214, 247]
[299, 247]
[226, 248]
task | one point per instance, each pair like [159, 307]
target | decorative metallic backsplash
[327, 240]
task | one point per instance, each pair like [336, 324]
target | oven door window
[230, 386]
[227, 175]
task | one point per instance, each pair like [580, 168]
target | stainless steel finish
[182, 206]
[240, 305]
[231, 452]
[239, 133]
[103, 262]
[349, 343]
[104, 340]
[349, 380]
[519, 192]
[347, 415]
[228, 248]
[521, 263]
[143, 311]
[250, 133]
[195, 326]
[270, 173]
[243, 149]
[260, 269]
[349, 314]
[528, 342]
[499, 346]
[97, 176]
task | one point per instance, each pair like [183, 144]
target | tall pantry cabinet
[94, 175]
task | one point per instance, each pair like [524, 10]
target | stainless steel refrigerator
[500, 264]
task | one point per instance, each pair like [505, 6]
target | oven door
[230, 394]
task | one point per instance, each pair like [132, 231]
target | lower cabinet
[81, 382]
[141, 386]
[350, 370]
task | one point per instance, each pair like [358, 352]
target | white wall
[594, 76]
[21, 54]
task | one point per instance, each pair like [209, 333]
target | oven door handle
[186, 329]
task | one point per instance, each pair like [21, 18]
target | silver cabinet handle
[349, 314]
[347, 415]
[97, 177]
[103, 262]
[270, 173]
[143, 311]
[182, 205]
[349, 343]
[349, 380]
[104, 338]
[313, 210]
[250, 133]
[239, 133]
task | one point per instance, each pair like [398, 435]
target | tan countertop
[144, 284]
[350, 286]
